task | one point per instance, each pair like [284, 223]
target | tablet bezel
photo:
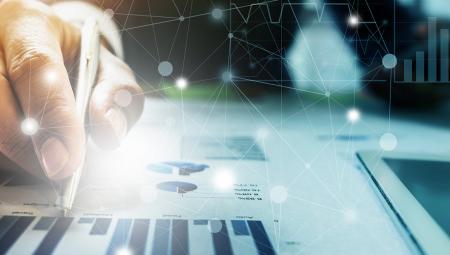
[418, 225]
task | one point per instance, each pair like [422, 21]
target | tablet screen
[429, 182]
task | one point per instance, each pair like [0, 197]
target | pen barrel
[89, 58]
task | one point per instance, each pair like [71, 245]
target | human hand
[38, 56]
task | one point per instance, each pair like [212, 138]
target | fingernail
[54, 156]
[118, 122]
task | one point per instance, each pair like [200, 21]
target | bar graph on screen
[430, 65]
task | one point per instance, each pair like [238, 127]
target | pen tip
[64, 212]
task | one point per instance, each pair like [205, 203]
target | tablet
[415, 189]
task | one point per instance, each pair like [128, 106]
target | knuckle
[122, 65]
[137, 89]
[115, 60]
[28, 27]
[15, 12]
[29, 60]
[14, 7]
[11, 4]
[116, 65]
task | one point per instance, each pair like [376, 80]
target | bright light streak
[262, 134]
[181, 83]
[29, 126]
[224, 179]
[123, 251]
[51, 76]
[353, 20]
[353, 115]
[278, 194]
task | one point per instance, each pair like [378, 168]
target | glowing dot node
[181, 83]
[123, 251]
[109, 13]
[278, 194]
[389, 61]
[29, 126]
[230, 35]
[307, 165]
[350, 215]
[165, 68]
[353, 115]
[51, 76]
[327, 94]
[217, 13]
[388, 142]
[227, 76]
[262, 133]
[214, 226]
[353, 20]
[181, 18]
[123, 98]
[224, 180]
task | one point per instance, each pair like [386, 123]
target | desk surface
[296, 172]
[331, 207]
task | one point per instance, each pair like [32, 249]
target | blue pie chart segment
[161, 168]
[175, 186]
[187, 168]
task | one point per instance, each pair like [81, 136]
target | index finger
[35, 66]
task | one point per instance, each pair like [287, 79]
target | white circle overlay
[388, 142]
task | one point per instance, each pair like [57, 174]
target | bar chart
[94, 235]
[430, 65]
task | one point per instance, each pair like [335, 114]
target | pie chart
[176, 167]
[161, 168]
[186, 168]
[176, 186]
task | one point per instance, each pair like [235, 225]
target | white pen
[87, 73]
